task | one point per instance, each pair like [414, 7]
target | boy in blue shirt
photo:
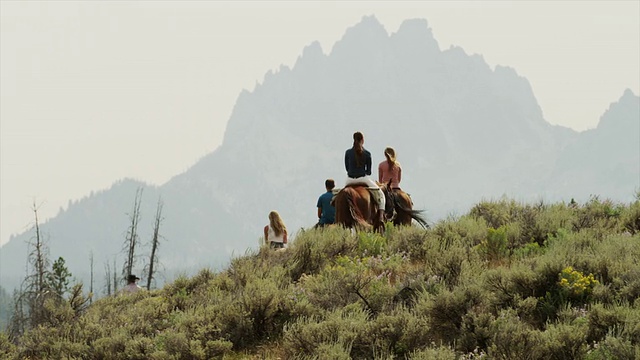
[326, 211]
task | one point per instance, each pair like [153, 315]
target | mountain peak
[311, 54]
[628, 95]
[417, 29]
[369, 32]
[623, 116]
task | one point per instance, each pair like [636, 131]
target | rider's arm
[380, 173]
[266, 234]
[346, 161]
[284, 237]
[319, 212]
[399, 175]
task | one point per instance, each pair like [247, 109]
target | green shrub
[351, 280]
[409, 241]
[496, 214]
[445, 311]
[447, 263]
[598, 214]
[371, 244]
[7, 349]
[613, 348]
[512, 339]
[467, 230]
[528, 250]
[344, 326]
[398, 333]
[494, 247]
[630, 218]
[564, 341]
[313, 249]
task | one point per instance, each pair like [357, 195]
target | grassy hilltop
[505, 281]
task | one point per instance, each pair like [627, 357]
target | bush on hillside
[508, 280]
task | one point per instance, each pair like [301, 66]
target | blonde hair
[276, 223]
[390, 154]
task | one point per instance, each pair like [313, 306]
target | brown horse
[356, 207]
[403, 212]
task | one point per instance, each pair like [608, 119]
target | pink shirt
[385, 174]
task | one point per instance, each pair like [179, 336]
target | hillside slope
[507, 280]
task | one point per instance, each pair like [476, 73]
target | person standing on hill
[357, 161]
[132, 286]
[326, 211]
[275, 234]
[390, 169]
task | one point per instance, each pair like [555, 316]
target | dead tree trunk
[131, 240]
[107, 276]
[91, 278]
[29, 301]
[155, 242]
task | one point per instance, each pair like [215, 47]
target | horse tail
[416, 215]
[354, 210]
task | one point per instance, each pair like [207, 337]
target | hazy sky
[92, 92]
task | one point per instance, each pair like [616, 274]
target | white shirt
[274, 238]
[131, 288]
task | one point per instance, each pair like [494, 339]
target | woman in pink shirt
[390, 169]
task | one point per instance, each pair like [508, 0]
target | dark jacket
[355, 169]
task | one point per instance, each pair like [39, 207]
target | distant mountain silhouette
[462, 131]
[607, 157]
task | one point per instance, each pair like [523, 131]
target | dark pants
[319, 225]
[276, 245]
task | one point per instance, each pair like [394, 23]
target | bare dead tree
[29, 301]
[155, 243]
[131, 240]
[39, 256]
[115, 277]
[36, 289]
[107, 272]
[91, 278]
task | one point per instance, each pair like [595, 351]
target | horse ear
[389, 184]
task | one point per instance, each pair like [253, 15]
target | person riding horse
[389, 170]
[357, 161]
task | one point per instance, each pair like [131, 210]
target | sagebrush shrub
[410, 241]
[511, 338]
[496, 214]
[564, 341]
[630, 218]
[598, 214]
[344, 326]
[613, 348]
[445, 311]
[494, 247]
[313, 249]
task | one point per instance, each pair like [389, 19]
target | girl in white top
[275, 234]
